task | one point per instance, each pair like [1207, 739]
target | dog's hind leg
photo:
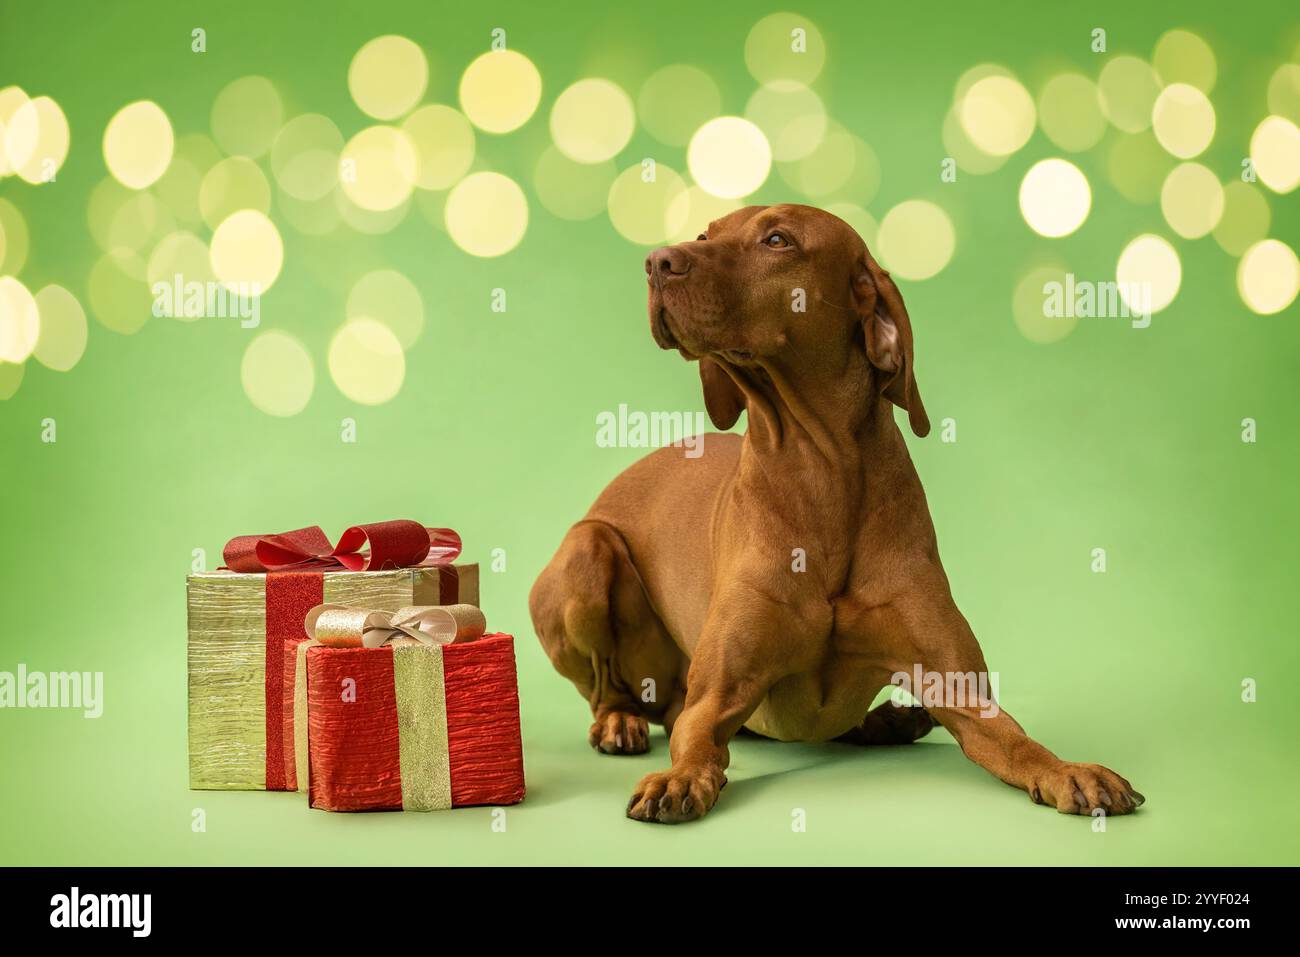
[888, 723]
[592, 616]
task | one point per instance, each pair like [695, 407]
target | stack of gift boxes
[361, 674]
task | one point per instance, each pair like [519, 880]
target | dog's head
[789, 286]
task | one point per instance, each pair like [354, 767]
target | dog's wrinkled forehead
[815, 227]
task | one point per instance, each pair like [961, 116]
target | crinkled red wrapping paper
[353, 745]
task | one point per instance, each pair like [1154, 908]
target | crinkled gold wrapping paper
[227, 659]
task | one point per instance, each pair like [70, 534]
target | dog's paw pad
[617, 732]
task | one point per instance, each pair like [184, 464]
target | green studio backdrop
[1112, 437]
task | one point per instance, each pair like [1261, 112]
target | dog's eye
[776, 241]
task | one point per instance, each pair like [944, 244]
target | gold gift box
[228, 657]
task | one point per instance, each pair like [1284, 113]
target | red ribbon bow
[396, 544]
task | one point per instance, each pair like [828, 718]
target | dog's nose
[666, 262]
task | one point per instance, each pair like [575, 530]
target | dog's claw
[616, 732]
[1084, 789]
[676, 795]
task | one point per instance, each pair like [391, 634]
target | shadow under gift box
[409, 726]
[243, 632]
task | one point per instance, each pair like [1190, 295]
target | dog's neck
[836, 414]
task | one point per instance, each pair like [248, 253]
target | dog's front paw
[1083, 788]
[676, 795]
[616, 732]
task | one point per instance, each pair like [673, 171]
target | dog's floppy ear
[722, 397]
[888, 333]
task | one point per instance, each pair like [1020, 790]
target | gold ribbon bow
[342, 626]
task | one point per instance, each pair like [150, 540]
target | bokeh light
[1128, 88]
[246, 252]
[1138, 166]
[11, 377]
[1055, 197]
[120, 299]
[592, 120]
[305, 156]
[1029, 306]
[1183, 120]
[1268, 277]
[829, 167]
[311, 217]
[444, 145]
[14, 241]
[1245, 220]
[185, 255]
[915, 239]
[277, 373]
[570, 190]
[791, 116]
[1191, 200]
[1069, 111]
[997, 113]
[969, 157]
[378, 168]
[36, 140]
[729, 157]
[20, 321]
[138, 144]
[676, 101]
[863, 223]
[179, 187]
[366, 361]
[370, 221]
[11, 98]
[1149, 263]
[246, 116]
[139, 222]
[486, 214]
[785, 46]
[387, 296]
[1275, 153]
[1283, 92]
[648, 212]
[388, 76]
[62, 339]
[695, 209]
[233, 184]
[1182, 57]
[500, 91]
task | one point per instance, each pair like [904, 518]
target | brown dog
[783, 578]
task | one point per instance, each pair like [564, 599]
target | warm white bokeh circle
[729, 157]
[1275, 153]
[486, 214]
[998, 115]
[500, 91]
[1128, 88]
[1069, 111]
[388, 76]
[62, 339]
[1055, 197]
[645, 210]
[387, 296]
[246, 116]
[916, 239]
[1268, 277]
[791, 116]
[1191, 200]
[378, 168]
[138, 144]
[20, 321]
[277, 373]
[444, 145]
[36, 140]
[1183, 120]
[366, 361]
[246, 252]
[592, 120]
[1149, 262]
[785, 46]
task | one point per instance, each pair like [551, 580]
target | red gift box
[409, 726]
